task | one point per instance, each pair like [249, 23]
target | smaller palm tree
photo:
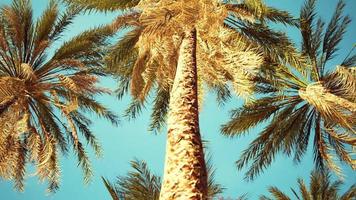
[142, 184]
[44, 96]
[321, 187]
[318, 104]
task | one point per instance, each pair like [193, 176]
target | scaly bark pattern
[185, 174]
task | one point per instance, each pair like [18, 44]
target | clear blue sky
[132, 140]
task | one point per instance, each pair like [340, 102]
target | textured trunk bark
[185, 174]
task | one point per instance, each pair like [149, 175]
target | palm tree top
[141, 184]
[321, 187]
[317, 104]
[233, 38]
[44, 97]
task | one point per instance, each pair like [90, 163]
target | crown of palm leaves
[321, 187]
[44, 97]
[232, 38]
[142, 184]
[316, 103]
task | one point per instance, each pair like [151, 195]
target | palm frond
[278, 195]
[88, 39]
[46, 23]
[350, 59]
[103, 5]
[122, 53]
[250, 115]
[84, 162]
[134, 109]
[334, 33]
[214, 188]
[63, 22]
[274, 44]
[112, 190]
[259, 11]
[349, 194]
[140, 183]
[160, 110]
[303, 190]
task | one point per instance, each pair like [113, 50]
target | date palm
[318, 105]
[173, 48]
[321, 187]
[43, 95]
[142, 184]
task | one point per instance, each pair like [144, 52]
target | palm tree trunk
[185, 174]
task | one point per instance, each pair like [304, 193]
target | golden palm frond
[104, 5]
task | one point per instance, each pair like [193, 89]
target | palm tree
[321, 187]
[317, 105]
[142, 184]
[173, 48]
[43, 97]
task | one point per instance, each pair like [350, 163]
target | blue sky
[132, 140]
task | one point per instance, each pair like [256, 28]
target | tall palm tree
[318, 105]
[173, 48]
[321, 187]
[43, 95]
[142, 184]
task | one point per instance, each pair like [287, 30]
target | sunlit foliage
[232, 39]
[142, 184]
[316, 105]
[44, 96]
[320, 187]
